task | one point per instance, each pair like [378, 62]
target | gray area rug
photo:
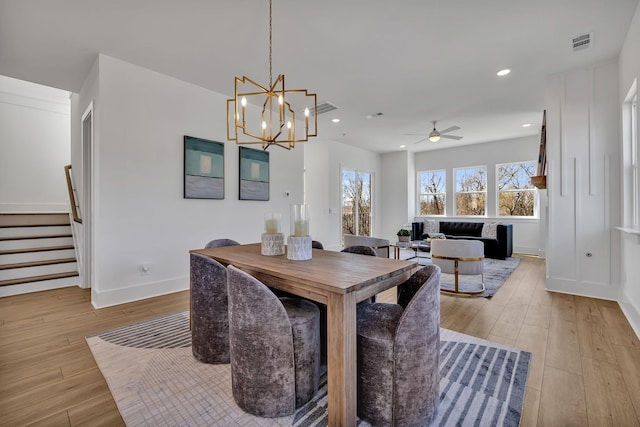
[496, 272]
[156, 381]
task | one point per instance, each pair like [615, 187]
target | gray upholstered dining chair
[274, 346]
[316, 245]
[209, 310]
[221, 242]
[359, 249]
[398, 354]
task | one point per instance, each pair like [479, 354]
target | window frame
[533, 189]
[371, 176]
[456, 192]
[421, 193]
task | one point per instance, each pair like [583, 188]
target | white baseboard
[632, 315]
[137, 292]
[574, 287]
[526, 250]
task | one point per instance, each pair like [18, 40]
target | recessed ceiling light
[503, 72]
[335, 120]
[402, 146]
[526, 125]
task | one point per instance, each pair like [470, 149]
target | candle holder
[299, 242]
[272, 238]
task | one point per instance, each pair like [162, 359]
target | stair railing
[73, 200]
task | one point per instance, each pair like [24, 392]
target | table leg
[341, 359]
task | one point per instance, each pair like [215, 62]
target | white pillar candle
[301, 229]
[299, 220]
[272, 223]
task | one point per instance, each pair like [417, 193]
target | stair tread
[53, 224]
[42, 249]
[33, 219]
[22, 280]
[39, 236]
[37, 263]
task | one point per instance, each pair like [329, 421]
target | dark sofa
[500, 248]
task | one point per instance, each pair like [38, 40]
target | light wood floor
[585, 368]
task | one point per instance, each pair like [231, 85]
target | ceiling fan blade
[451, 137]
[422, 140]
[416, 134]
[451, 129]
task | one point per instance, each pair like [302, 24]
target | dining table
[337, 279]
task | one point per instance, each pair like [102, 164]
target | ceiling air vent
[324, 107]
[581, 42]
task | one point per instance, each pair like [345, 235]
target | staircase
[36, 253]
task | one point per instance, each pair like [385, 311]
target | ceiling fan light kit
[435, 135]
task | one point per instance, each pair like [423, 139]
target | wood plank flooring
[585, 368]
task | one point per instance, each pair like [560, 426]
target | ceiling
[414, 61]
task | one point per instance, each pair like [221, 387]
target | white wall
[526, 232]
[34, 147]
[583, 183]
[398, 187]
[629, 70]
[140, 215]
[324, 161]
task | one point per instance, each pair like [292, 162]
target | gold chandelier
[272, 119]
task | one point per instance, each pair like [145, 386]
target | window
[630, 159]
[471, 190]
[356, 202]
[634, 163]
[432, 193]
[516, 195]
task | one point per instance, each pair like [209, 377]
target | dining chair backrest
[285, 329]
[217, 243]
[361, 250]
[209, 310]
[398, 354]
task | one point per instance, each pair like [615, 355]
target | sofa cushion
[461, 228]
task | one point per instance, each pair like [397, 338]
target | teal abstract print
[203, 169]
[254, 174]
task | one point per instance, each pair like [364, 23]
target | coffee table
[416, 245]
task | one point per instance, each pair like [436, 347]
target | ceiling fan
[435, 135]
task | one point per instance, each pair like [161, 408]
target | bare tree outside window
[471, 190]
[356, 203]
[516, 194]
[432, 192]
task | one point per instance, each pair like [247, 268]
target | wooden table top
[336, 272]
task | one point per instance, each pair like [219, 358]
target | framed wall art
[203, 168]
[254, 174]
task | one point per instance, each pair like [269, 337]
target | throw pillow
[431, 226]
[490, 230]
[433, 236]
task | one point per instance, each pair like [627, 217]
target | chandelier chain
[270, 48]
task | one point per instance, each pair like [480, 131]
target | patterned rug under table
[156, 381]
